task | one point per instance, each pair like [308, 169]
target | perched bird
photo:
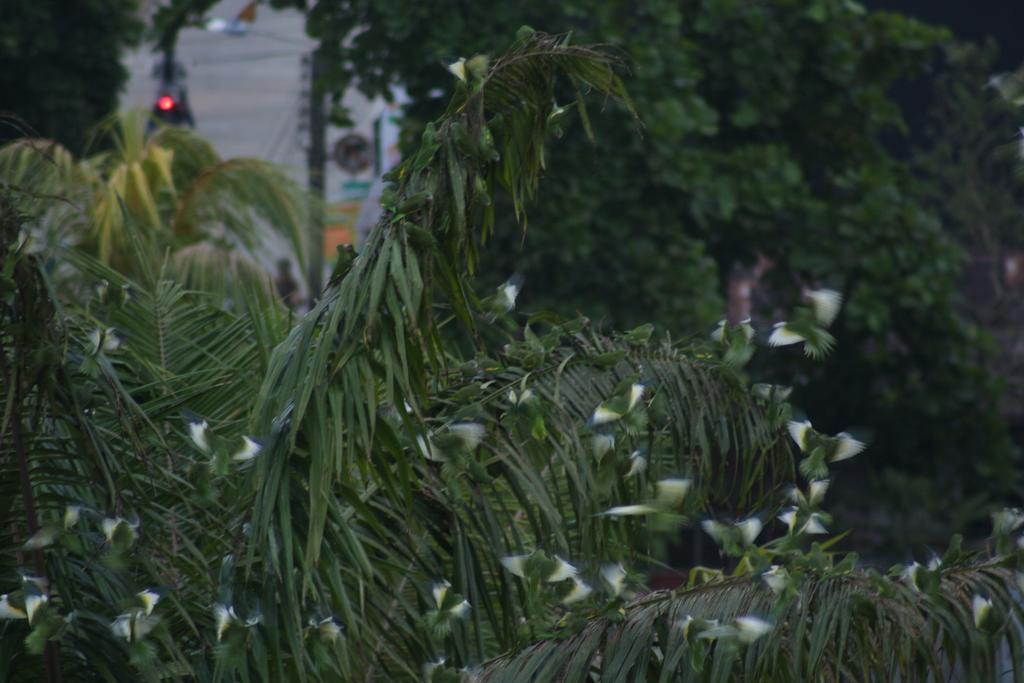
[329, 629]
[981, 609]
[148, 598]
[439, 591]
[504, 300]
[776, 578]
[33, 601]
[106, 340]
[788, 517]
[249, 450]
[224, 616]
[197, 432]
[119, 531]
[72, 513]
[460, 610]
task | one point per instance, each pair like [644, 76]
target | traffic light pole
[316, 160]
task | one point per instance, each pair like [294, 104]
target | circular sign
[353, 153]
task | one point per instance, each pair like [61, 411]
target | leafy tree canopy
[214, 494]
[61, 65]
[764, 138]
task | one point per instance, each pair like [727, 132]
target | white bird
[776, 578]
[636, 392]
[149, 599]
[111, 525]
[42, 538]
[72, 513]
[9, 611]
[249, 450]
[122, 626]
[747, 329]
[637, 464]
[515, 564]
[460, 610]
[629, 510]
[224, 616]
[800, 431]
[602, 443]
[427, 449]
[671, 492]
[604, 415]
[847, 448]
[909, 575]
[615, 576]
[783, 336]
[815, 493]
[507, 294]
[716, 530]
[718, 334]
[788, 517]
[469, 433]
[981, 608]
[750, 529]
[458, 69]
[32, 604]
[751, 628]
[329, 629]
[825, 303]
[440, 590]
[813, 525]
[197, 432]
[579, 592]
[562, 571]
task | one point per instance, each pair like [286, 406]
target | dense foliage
[62, 68]
[219, 494]
[767, 131]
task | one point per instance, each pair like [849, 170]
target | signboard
[359, 156]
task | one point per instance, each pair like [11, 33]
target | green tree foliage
[162, 203]
[210, 494]
[60, 65]
[765, 134]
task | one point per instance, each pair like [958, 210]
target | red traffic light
[166, 103]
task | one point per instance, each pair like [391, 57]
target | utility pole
[316, 160]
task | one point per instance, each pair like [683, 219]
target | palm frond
[836, 626]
